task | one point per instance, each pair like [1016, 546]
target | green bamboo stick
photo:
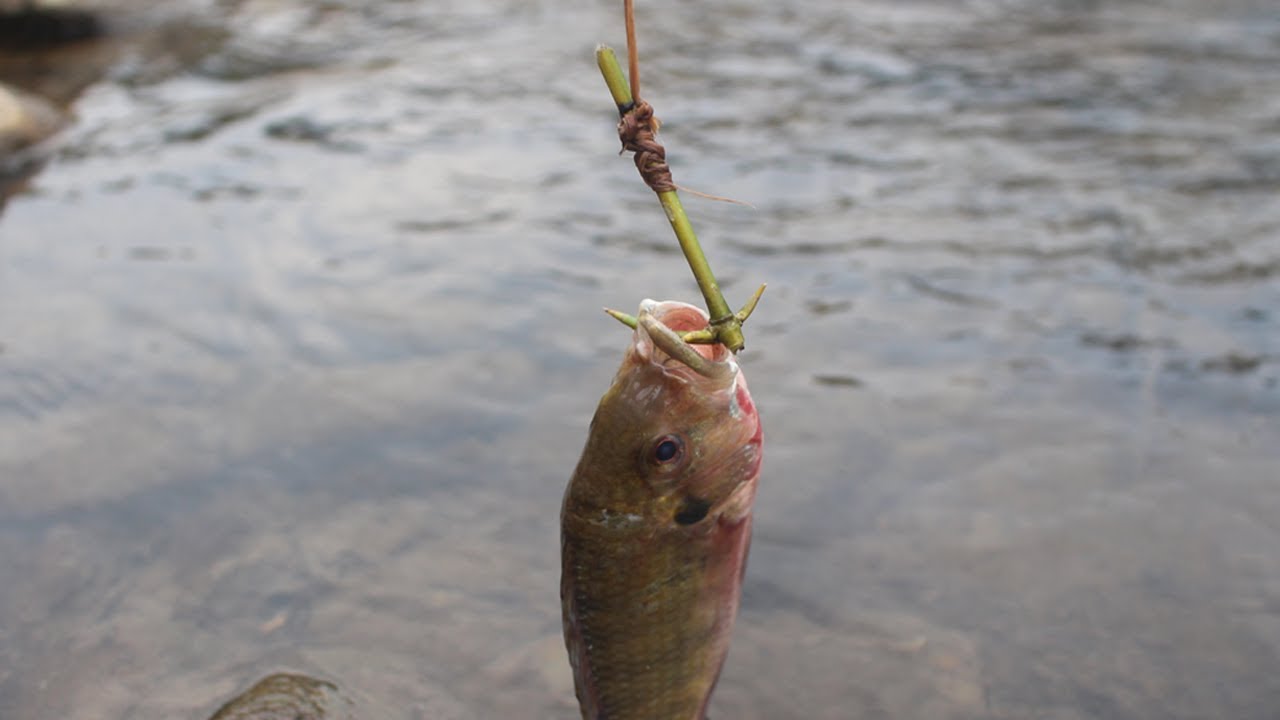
[726, 326]
[716, 305]
[614, 78]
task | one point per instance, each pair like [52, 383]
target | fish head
[676, 439]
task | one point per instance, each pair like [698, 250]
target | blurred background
[300, 337]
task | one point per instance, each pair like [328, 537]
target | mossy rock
[285, 696]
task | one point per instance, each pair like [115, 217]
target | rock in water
[39, 23]
[25, 120]
[285, 696]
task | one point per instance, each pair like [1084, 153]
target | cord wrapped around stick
[638, 132]
[638, 129]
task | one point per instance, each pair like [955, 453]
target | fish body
[656, 524]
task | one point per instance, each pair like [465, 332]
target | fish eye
[668, 449]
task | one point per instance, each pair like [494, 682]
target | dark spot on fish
[693, 510]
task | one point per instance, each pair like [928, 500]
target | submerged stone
[286, 696]
[25, 120]
[38, 23]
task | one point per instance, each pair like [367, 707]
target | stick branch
[637, 130]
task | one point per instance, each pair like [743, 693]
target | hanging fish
[656, 523]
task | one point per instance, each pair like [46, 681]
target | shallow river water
[300, 336]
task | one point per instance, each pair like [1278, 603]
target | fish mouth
[657, 339]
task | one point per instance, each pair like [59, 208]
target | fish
[656, 525]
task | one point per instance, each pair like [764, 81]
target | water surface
[299, 340]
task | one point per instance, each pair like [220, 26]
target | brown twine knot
[638, 131]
